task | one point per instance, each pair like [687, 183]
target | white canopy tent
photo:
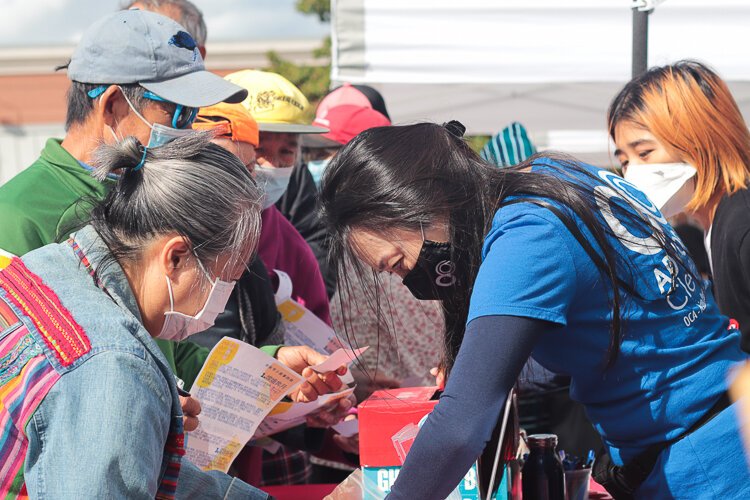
[553, 65]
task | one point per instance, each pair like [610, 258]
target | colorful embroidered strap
[82, 257]
[87, 264]
[60, 332]
[173, 453]
[85, 261]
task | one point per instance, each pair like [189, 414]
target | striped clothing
[25, 378]
[508, 147]
[26, 375]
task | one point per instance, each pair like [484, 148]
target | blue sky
[51, 22]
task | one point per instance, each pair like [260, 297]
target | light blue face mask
[160, 134]
[316, 168]
[273, 181]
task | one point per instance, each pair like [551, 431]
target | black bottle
[543, 477]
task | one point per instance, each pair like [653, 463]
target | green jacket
[47, 201]
[52, 198]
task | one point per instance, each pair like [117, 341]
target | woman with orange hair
[681, 139]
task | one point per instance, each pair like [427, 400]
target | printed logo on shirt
[679, 289]
[617, 187]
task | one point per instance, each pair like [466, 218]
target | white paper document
[301, 326]
[240, 389]
[342, 357]
[287, 415]
[237, 387]
[347, 428]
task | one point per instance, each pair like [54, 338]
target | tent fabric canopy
[552, 65]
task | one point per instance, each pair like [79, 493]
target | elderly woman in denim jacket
[88, 405]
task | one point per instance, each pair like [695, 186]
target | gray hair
[191, 18]
[80, 104]
[188, 186]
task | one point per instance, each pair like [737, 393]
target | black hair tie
[455, 128]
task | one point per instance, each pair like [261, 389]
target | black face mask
[433, 276]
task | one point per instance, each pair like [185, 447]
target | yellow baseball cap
[275, 102]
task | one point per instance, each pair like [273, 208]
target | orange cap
[228, 120]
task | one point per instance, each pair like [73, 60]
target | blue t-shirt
[676, 349]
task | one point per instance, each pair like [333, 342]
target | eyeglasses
[183, 116]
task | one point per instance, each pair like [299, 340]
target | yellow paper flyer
[237, 387]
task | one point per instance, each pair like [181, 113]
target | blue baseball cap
[136, 46]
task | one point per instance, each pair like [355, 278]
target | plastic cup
[577, 484]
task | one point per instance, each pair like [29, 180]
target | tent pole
[640, 41]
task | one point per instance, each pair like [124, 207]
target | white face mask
[668, 185]
[178, 326]
[273, 181]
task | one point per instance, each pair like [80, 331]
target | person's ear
[174, 257]
[113, 107]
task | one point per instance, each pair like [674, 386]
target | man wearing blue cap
[133, 73]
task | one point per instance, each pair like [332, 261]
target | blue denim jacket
[101, 430]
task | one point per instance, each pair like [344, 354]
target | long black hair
[406, 177]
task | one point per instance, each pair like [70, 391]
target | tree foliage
[320, 8]
[313, 80]
[477, 142]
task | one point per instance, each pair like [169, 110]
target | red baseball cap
[344, 123]
[344, 95]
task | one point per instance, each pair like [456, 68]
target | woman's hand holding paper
[301, 359]
[191, 408]
[332, 413]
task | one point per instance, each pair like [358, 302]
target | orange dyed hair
[690, 110]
